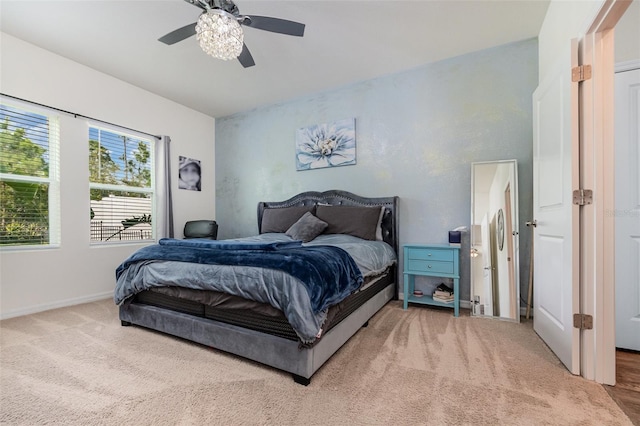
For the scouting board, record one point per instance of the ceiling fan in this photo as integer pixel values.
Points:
(219, 33)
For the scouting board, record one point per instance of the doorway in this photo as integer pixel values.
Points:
(627, 206)
(626, 391)
(598, 256)
(585, 275)
(627, 178)
(627, 239)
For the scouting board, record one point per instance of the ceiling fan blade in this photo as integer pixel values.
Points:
(179, 34)
(275, 25)
(245, 57)
(197, 3)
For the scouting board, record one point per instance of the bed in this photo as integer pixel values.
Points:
(156, 291)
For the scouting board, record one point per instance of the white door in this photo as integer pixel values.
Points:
(555, 174)
(627, 213)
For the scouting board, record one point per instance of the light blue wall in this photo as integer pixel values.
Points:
(417, 133)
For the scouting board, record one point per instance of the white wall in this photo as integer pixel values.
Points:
(417, 133)
(568, 19)
(564, 21)
(34, 280)
(627, 44)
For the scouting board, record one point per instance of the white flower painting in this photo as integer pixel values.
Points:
(326, 145)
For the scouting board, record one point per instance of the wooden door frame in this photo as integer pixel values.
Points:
(597, 224)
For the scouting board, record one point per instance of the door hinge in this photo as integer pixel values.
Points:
(583, 321)
(582, 197)
(581, 73)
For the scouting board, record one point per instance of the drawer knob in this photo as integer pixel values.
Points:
(429, 266)
(429, 254)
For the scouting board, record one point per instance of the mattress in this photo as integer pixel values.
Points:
(254, 315)
(330, 261)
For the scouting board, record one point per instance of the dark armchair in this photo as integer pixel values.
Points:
(201, 229)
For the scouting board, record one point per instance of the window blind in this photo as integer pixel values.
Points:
(28, 177)
(121, 186)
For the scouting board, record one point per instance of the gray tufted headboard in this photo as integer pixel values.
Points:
(389, 223)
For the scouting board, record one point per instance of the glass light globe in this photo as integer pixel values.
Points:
(219, 34)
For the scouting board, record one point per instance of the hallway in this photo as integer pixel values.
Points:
(626, 392)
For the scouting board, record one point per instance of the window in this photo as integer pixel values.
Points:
(29, 185)
(121, 186)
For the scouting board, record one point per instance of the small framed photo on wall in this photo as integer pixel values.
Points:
(189, 174)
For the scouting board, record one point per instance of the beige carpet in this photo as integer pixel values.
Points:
(79, 366)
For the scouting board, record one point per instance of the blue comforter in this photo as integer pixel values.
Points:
(328, 273)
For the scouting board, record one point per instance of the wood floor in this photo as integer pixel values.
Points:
(626, 392)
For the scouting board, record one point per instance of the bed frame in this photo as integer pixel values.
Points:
(267, 349)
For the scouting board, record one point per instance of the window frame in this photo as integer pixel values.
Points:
(124, 188)
(52, 180)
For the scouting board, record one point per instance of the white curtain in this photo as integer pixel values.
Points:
(164, 203)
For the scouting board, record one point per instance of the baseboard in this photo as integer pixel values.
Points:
(464, 304)
(55, 305)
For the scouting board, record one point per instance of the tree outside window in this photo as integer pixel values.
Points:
(121, 193)
(25, 181)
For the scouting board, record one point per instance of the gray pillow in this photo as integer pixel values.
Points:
(281, 219)
(306, 228)
(361, 222)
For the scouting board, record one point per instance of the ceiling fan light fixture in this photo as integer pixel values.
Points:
(220, 34)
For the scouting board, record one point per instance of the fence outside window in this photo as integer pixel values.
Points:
(121, 186)
(103, 232)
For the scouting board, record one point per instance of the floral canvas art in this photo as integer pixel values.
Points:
(326, 145)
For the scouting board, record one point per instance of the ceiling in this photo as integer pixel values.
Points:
(344, 42)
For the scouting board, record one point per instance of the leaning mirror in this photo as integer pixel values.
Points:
(495, 280)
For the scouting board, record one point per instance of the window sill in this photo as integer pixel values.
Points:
(27, 248)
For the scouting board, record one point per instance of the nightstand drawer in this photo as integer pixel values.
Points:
(430, 254)
(430, 266)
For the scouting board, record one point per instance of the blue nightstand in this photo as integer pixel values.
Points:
(431, 261)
